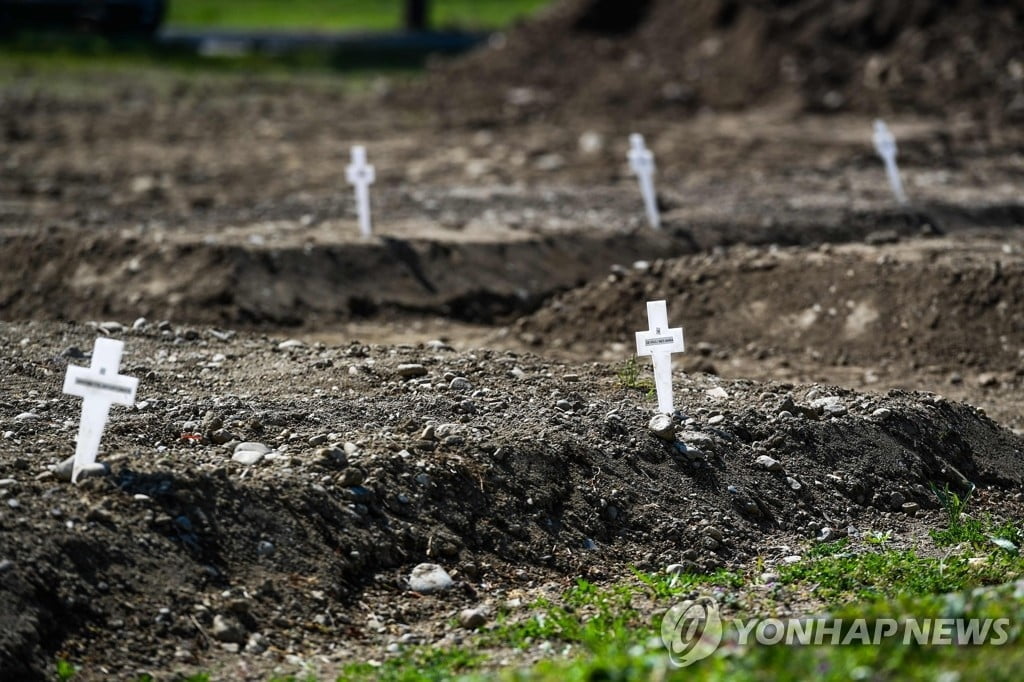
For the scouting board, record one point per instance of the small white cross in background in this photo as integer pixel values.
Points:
(660, 342)
(885, 145)
(641, 162)
(100, 386)
(362, 175)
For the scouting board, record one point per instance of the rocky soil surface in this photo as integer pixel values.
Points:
(283, 499)
(267, 501)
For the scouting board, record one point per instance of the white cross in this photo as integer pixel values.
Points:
(362, 175)
(885, 145)
(100, 386)
(660, 342)
(641, 162)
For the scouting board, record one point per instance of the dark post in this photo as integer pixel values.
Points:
(416, 12)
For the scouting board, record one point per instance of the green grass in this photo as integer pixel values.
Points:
(629, 376)
(344, 14)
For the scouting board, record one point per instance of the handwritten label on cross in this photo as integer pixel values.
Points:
(885, 145)
(100, 386)
(361, 175)
(660, 342)
(641, 162)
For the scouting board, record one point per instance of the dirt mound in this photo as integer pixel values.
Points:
(520, 472)
(660, 57)
(918, 304)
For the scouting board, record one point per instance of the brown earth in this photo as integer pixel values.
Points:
(669, 57)
(509, 224)
(532, 472)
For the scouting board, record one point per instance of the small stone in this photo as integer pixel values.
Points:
(988, 380)
(460, 384)
(427, 578)
(411, 370)
(265, 548)
(257, 644)
(250, 453)
(316, 441)
(896, 499)
(222, 436)
(428, 433)
(111, 327)
(769, 463)
(881, 413)
(72, 352)
(253, 447)
(793, 483)
(830, 405)
(911, 508)
(334, 457)
(473, 619)
(564, 405)
(718, 393)
(661, 425)
(769, 578)
(716, 420)
(227, 629)
(290, 343)
(352, 476)
(140, 323)
(27, 417)
(64, 470)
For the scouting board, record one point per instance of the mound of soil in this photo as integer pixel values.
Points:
(509, 471)
(919, 303)
(660, 57)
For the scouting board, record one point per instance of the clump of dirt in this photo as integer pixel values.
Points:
(660, 57)
(508, 470)
(918, 304)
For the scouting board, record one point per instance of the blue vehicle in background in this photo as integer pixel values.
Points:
(111, 17)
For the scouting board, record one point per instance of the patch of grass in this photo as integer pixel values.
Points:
(961, 528)
(629, 378)
(419, 663)
(65, 670)
(881, 575)
(350, 15)
(829, 548)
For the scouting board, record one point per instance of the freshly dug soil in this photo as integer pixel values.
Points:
(956, 304)
(508, 470)
(664, 57)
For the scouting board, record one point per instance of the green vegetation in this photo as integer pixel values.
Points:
(629, 378)
(613, 633)
(594, 632)
(350, 15)
(962, 528)
(65, 670)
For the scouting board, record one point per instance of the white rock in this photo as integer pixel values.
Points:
(661, 426)
(718, 393)
(250, 453)
(290, 343)
(769, 463)
(427, 578)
